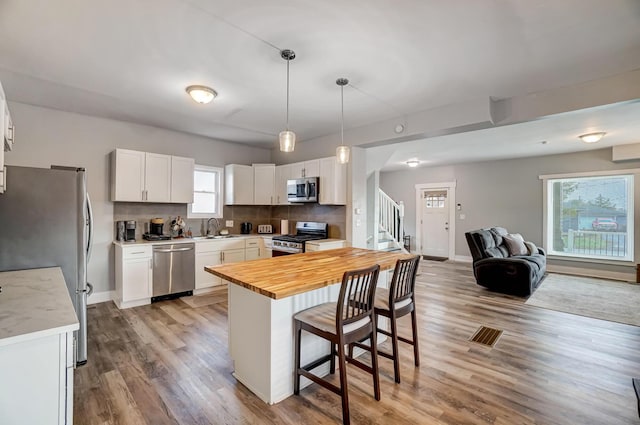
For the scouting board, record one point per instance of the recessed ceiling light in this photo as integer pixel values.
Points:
(592, 137)
(413, 163)
(201, 94)
(399, 128)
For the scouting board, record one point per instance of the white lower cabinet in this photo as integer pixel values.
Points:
(255, 249)
(134, 265)
(37, 381)
(134, 275)
(214, 252)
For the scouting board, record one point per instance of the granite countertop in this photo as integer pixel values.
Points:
(288, 275)
(195, 239)
(33, 304)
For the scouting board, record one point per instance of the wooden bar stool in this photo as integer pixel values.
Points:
(342, 323)
(398, 301)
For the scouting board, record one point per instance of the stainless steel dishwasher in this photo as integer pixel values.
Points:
(173, 270)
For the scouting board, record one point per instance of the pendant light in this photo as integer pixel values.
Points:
(287, 137)
(342, 151)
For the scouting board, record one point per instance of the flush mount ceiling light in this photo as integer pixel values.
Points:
(287, 137)
(342, 151)
(413, 163)
(201, 94)
(592, 137)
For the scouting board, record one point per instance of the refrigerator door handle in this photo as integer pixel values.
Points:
(90, 223)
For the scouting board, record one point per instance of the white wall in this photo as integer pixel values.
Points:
(46, 136)
(505, 193)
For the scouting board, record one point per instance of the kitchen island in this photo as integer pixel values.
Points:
(263, 297)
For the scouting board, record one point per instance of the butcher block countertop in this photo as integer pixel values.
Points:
(289, 275)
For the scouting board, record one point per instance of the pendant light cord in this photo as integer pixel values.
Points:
(342, 113)
(288, 94)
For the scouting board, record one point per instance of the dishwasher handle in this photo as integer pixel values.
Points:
(173, 250)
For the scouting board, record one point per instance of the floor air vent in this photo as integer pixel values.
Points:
(486, 336)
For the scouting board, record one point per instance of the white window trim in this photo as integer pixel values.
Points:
(220, 172)
(546, 213)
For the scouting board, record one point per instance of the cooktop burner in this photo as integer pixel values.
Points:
(298, 238)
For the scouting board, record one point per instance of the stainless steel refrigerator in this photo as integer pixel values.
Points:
(45, 221)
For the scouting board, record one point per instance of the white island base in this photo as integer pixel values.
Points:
(261, 339)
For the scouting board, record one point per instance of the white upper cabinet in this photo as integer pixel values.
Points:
(127, 175)
(333, 182)
(5, 119)
(283, 173)
(150, 177)
(182, 179)
(305, 169)
(157, 178)
(264, 184)
(238, 184)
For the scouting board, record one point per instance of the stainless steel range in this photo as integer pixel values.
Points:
(294, 244)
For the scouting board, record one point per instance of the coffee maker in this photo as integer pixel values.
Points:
(156, 227)
(129, 230)
(245, 228)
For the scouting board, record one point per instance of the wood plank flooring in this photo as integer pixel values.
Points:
(168, 364)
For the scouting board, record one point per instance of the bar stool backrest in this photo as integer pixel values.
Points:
(403, 281)
(357, 295)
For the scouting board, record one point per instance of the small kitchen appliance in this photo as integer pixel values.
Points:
(265, 228)
(156, 227)
(130, 230)
(120, 231)
(295, 244)
(245, 228)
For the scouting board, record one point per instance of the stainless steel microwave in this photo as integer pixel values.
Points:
(303, 190)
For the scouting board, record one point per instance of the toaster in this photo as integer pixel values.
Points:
(265, 228)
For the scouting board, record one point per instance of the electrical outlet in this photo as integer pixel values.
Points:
(229, 223)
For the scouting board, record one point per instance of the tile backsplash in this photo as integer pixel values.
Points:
(143, 212)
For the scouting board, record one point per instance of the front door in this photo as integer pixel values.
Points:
(435, 222)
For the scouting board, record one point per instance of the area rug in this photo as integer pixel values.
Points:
(597, 298)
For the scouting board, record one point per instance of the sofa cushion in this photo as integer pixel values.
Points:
(515, 244)
(498, 233)
(531, 248)
(539, 260)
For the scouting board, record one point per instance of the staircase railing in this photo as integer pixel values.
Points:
(391, 216)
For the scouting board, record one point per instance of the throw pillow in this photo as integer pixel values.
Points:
(515, 244)
(531, 248)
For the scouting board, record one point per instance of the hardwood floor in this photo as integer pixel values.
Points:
(168, 364)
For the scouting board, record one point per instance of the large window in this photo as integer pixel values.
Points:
(590, 217)
(207, 192)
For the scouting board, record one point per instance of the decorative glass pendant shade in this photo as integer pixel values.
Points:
(342, 151)
(287, 141)
(342, 154)
(287, 137)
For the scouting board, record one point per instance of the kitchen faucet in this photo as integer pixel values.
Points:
(217, 226)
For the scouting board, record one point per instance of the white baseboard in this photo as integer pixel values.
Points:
(100, 297)
(602, 274)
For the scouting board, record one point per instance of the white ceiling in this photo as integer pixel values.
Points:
(131, 60)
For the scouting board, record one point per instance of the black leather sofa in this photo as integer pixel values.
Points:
(498, 271)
